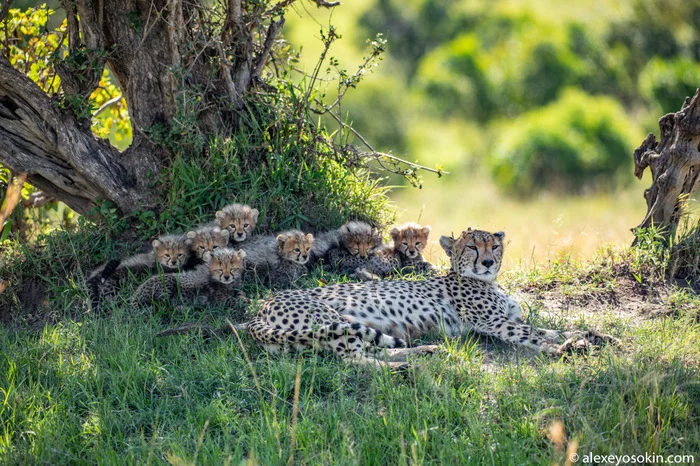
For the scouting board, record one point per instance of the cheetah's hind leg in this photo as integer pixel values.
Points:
(402, 354)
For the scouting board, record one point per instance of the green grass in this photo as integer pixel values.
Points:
(104, 389)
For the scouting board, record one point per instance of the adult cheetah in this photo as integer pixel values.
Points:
(464, 299)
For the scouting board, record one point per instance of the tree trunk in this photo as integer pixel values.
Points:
(161, 52)
(674, 162)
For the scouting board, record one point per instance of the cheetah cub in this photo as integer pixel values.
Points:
(217, 281)
(410, 240)
(357, 241)
(278, 260)
(239, 219)
(405, 252)
(206, 239)
(169, 253)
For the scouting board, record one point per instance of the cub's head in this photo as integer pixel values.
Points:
(172, 251)
(240, 221)
(475, 254)
(204, 240)
(410, 239)
(359, 239)
(226, 265)
(295, 246)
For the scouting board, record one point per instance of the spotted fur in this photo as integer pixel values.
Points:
(169, 253)
(311, 323)
(240, 220)
(279, 260)
(357, 241)
(215, 282)
(206, 239)
(464, 299)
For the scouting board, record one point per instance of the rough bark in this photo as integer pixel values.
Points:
(674, 162)
(162, 53)
(58, 154)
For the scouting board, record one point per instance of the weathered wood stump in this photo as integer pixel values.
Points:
(674, 162)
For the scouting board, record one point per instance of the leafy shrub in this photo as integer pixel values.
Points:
(480, 74)
(667, 83)
(570, 144)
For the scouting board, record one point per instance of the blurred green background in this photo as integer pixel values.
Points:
(534, 107)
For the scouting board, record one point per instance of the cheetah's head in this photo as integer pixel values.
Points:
(205, 240)
(475, 254)
(359, 238)
(172, 251)
(295, 246)
(240, 220)
(410, 239)
(226, 265)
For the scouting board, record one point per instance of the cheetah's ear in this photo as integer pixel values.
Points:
(220, 214)
(500, 235)
(191, 234)
(394, 234)
(466, 234)
(156, 244)
(225, 234)
(426, 230)
(309, 237)
(281, 239)
(216, 229)
(447, 243)
(241, 253)
(255, 214)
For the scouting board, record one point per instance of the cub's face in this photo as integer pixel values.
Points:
(240, 223)
(475, 254)
(410, 240)
(360, 241)
(226, 265)
(295, 247)
(171, 251)
(206, 240)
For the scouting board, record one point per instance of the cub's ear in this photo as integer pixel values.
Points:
(281, 239)
(216, 229)
(375, 232)
(156, 244)
(241, 253)
(500, 235)
(447, 244)
(191, 234)
(225, 234)
(220, 214)
(309, 237)
(426, 230)
(394, 234)
(255, 214)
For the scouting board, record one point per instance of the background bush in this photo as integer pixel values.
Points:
(578, 141)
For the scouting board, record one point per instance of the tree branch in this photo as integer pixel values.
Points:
(378, 155)
(59, 155)
(272, 32)
(5, 9)
(108, 103)
(13, 196)
(324, 4)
